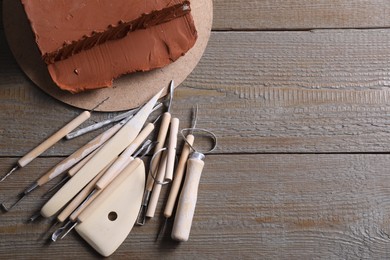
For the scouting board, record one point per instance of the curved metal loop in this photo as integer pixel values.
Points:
(201, 130)
(157, 168)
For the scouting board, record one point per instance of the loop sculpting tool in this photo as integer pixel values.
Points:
(178, 177)
(166, 168)
(162, 135)
(188, 197)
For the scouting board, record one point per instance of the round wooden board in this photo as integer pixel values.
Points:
(129, 91)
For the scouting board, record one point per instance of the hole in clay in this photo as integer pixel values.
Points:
(112, 216)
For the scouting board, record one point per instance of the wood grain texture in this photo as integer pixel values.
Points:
(302, 118)
(322, 91)
(264, 206)
(296, 14)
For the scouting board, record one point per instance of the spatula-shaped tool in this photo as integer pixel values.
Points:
(103, 157)
(108, 220)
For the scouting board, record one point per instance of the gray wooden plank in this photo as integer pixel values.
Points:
(249, 206)
(321, 91)
(295, 14)
(302, 15)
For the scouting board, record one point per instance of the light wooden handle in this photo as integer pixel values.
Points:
(78, 166)
(162, 135)
(111, 149)
(91, 207)
(187, 201)
(179, 173)
(174, 130)
(131, 167)
(75, 212)
(79, 155)
(53, 139)
(157, 187)
(65, 213)
(125, 158)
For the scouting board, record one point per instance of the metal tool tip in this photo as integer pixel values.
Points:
(162, 229)
(9, 173)
(35, 216)
(141, 216)
(4, 208)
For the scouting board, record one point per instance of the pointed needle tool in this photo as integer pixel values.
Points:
(85, 151)
(53, 139)
(48, 143)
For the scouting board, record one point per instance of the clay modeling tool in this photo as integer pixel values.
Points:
(67, 211)
(48, 142)
(53, 139)
(69, 162)
(167, 165)
(111, 149)
(188, 197)
(87, 195)
(71, 173)
(104, 181)
(178, 177)
(107, 222)
(171, 149)
(162, 134)
(99, 125)
(159, 181)
(103, 123)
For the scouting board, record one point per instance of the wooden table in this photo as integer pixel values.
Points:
(297, 93)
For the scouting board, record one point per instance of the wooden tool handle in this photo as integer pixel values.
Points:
(174, 129)
(78, 166)
(187, 202)
(162, 135)
(53, 139)
(157, 187)
(111, 149)
(79, 155)
(179, 173)
(65, 213)
(125, 158)
(109, 189)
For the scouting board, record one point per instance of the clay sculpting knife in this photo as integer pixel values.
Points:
(109, 151)
(98, 125)
(76, 168)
